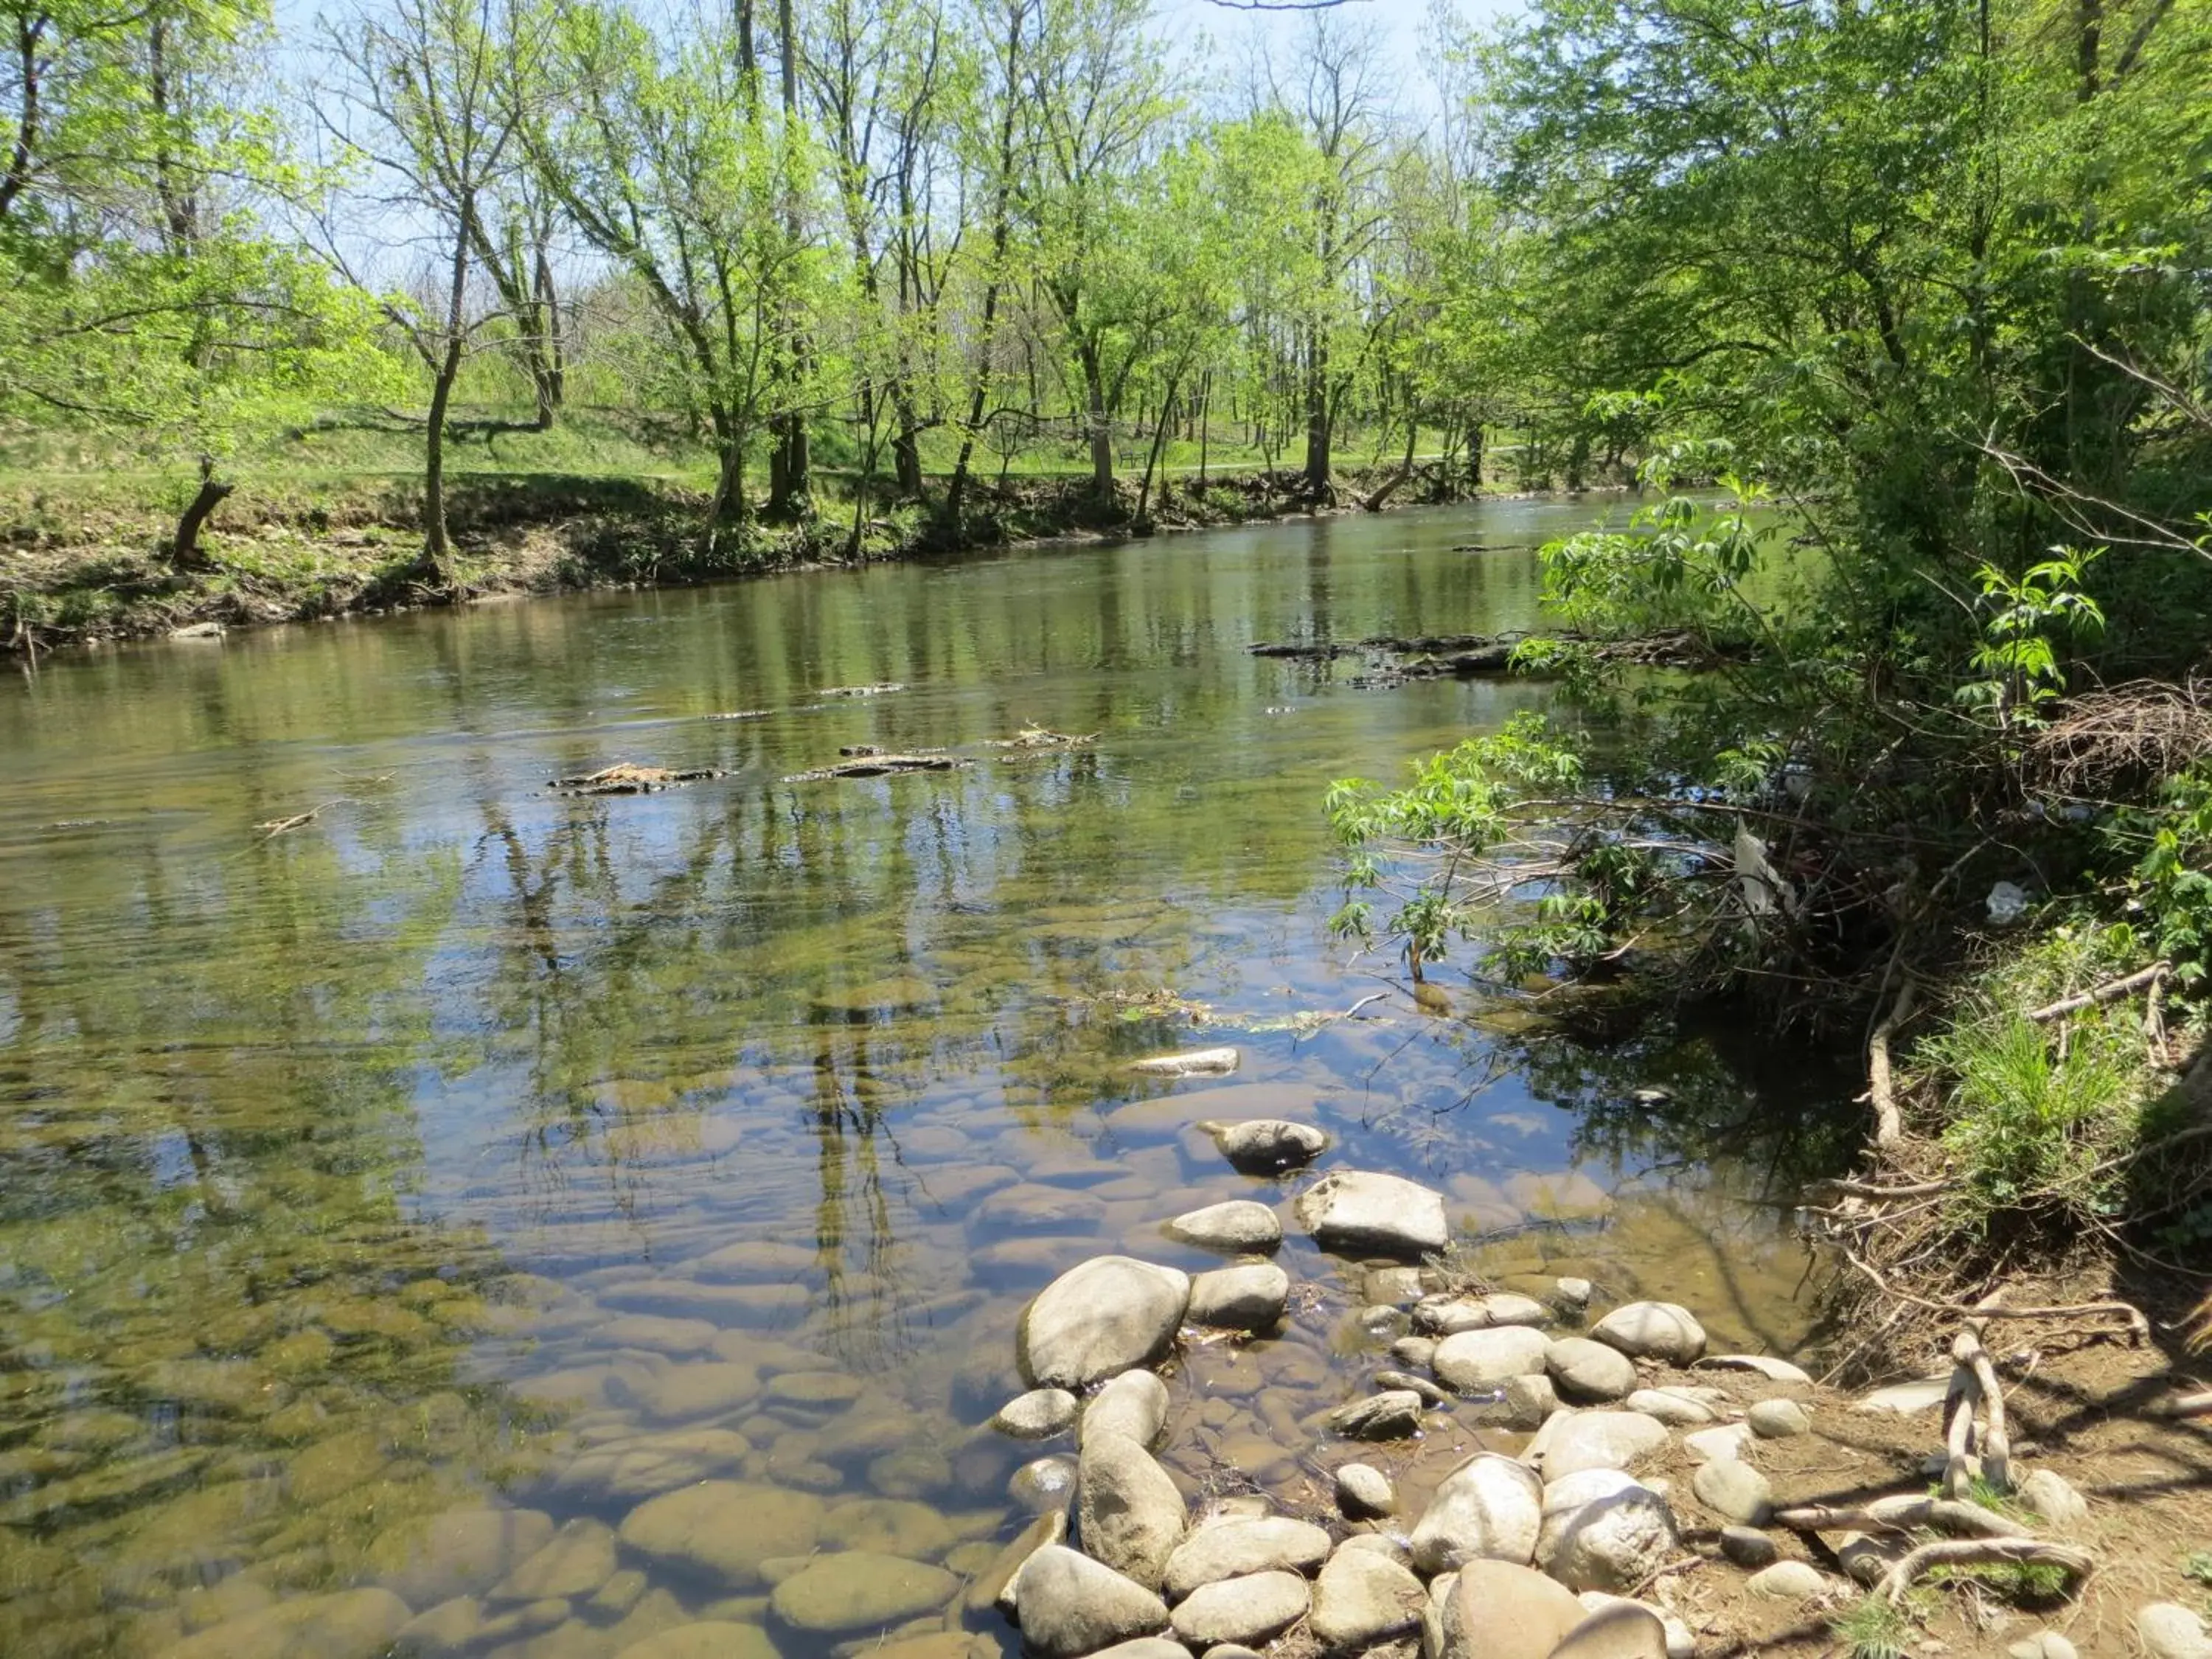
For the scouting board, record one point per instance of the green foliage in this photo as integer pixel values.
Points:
(2027, 618)
(1464, 836)
(2171, 887)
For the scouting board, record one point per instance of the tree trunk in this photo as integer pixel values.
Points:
(1474, 455)
(184, 549)
(1152, 459)
(436, 548)
(790, 468)
(987, 331)
(1205, 422)
(29, 32)
(1101, 429)
(1318, 424)
(1390, 485)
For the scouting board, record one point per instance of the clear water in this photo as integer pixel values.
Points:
(374, 1197)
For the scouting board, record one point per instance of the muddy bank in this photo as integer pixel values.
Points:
(101, 576)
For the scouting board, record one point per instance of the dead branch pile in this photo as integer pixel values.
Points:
(1037, 737)
(625, 778)
(881, 766)
(2124, 734)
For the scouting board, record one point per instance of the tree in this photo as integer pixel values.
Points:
(427, 111)
(657, 152)
(1099, 101)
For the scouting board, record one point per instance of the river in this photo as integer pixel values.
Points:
(474, 1160)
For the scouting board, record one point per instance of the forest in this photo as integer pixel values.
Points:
(829, 269)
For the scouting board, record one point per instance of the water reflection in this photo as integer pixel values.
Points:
(397, 1212)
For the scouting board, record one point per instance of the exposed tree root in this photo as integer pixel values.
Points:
(1901, 1514)
(1981, 1552)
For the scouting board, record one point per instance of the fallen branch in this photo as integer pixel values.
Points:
(2112, 991)
(1843, 1189)
(1982, 1553)
(276, 827)
(1904, 1513)
(2187, 1405)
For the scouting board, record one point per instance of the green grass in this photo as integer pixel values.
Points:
(1874, 1627)
(2032, 1112)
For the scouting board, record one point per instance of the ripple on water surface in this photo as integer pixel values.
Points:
(568, 1228)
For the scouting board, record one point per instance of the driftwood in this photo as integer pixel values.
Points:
(625, 778)
(1889, 1120)
(739, 714)
(883, 690)
(1981, 1552)
(2111, 992)
(2186, 1405)
(1903, 1513)
(879, 766)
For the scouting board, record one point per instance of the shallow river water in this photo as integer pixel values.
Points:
(391, 1206)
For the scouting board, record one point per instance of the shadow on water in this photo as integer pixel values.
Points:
(393, 1207)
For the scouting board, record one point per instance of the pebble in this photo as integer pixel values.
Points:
(1574, 1292)
(1361, 1210)
(2044, 1645)
(1045, 1485)
(1906, 1398)
(1363, 1598)
(2046, 1493)
(1530, 1401)
(1735, 1490)
(1038, 1415)
(1671, 1407)
(1488, 1509)
(1248, 1611)
(1788, 1581)
(1268, 1145)
(1236, 1549)
(1600, 1440)
(1583, 1370)
(1419, 1351)
(1777, 1420)
(1240, 1224)
(1391, 1416)
(1246, 1298)
(1749, 1547)
(1419, 1385)
(2169, 1631)
(1070, 1605)
(1653, 1330)
(1713, 1445)
(1604, 1530)
(1362, 1491)
(1774, 1370)
(1133, 1405)
(1474, 1360)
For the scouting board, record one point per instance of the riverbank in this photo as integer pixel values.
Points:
(79, 570)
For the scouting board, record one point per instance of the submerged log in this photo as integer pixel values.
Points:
(882, 690)
(881, 766)
(624, 778)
